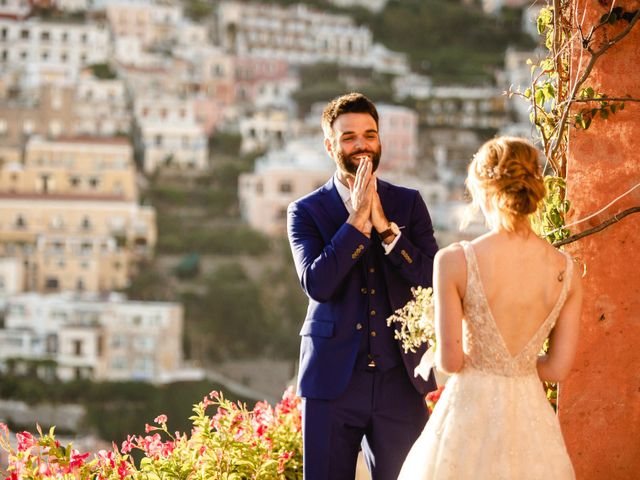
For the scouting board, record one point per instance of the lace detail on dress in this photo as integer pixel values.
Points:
(483, 345)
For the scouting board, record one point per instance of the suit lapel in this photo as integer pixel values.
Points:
(386, 198)
(333, 205)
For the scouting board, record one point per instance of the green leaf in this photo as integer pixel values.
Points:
(604, 114)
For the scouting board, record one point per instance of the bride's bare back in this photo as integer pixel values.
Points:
(522, 281)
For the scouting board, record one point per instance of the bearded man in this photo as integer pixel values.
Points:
(359, 245)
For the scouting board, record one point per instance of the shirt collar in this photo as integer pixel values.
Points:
(343, 190)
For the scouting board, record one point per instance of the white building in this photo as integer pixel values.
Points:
(412, 85)
(11, 278)
(100, 338)
(150, 21)
(372, 5)
(265, 129)
(73, 5)
(15, 8)
(280, 177)
(39, 44)
(169, 134)
(464, 107)
(101, 107)
(301, 35)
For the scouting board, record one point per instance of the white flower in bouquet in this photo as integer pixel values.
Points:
(414, 323)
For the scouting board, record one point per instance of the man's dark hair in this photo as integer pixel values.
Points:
(350, 103)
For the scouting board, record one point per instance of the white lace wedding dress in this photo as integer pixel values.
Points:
(493, 420)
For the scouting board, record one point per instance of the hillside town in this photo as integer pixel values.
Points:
(99, 96)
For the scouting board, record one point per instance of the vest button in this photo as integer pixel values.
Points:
(373, 312)
(372, 270)
(373, 333)
(359, 326)
(373, 291)
(363, 290)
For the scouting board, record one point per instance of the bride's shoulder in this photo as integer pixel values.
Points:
(451, 255)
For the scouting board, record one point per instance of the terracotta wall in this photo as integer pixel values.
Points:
(600, 402)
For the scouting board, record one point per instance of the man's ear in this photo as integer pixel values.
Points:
(328, 147)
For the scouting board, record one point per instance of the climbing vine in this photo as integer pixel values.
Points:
(560, 101)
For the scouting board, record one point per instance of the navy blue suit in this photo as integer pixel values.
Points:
(353, 374)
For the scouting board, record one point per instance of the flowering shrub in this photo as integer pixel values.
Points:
(415, 320)
(433, 397)
(235, 443)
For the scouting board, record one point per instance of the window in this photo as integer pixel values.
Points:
(45, 36)
(52, 283)
(74, 181)
(158, 140)
(28, 127)
(286, 187)
(55, 128)
(94, 182)
(77, 347)
(21, 222)
(56, 222)
(24, 33)
(85, 224)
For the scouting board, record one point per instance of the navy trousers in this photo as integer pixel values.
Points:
(380, 412)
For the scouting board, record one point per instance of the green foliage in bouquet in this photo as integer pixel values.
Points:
(414, 322)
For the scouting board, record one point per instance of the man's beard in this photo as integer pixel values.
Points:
(347, 163)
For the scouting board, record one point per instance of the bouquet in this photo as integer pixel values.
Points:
(415, 322)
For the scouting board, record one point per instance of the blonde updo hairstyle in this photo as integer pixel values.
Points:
(505, 177)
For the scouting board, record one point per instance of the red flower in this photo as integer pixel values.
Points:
(77, 459)
(25, 441)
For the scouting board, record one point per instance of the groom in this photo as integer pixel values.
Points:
(359, 245)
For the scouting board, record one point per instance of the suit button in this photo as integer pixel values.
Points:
(372, 270)
(363, 290)
(359, 326)
(373, 291)
(373, 312)
(373, 333)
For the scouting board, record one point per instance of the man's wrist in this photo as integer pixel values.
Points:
(360, 223)
(389, 234)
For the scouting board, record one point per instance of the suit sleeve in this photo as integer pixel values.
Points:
(412, 257)
(322, 267)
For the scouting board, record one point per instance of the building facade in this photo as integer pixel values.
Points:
(280, 177)
(70, 213)
(94, 337)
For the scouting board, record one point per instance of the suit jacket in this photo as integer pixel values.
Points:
(325, 250)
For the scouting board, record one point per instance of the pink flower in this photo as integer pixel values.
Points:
(77, 459)
(160, 419)
(25, 441)
(149, 428)
(123, 470)
(128, 444)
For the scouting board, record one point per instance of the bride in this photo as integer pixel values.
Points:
(497, 299)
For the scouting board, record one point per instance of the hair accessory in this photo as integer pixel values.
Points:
(495, 173)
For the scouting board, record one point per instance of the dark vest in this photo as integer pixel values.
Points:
(378, 349)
